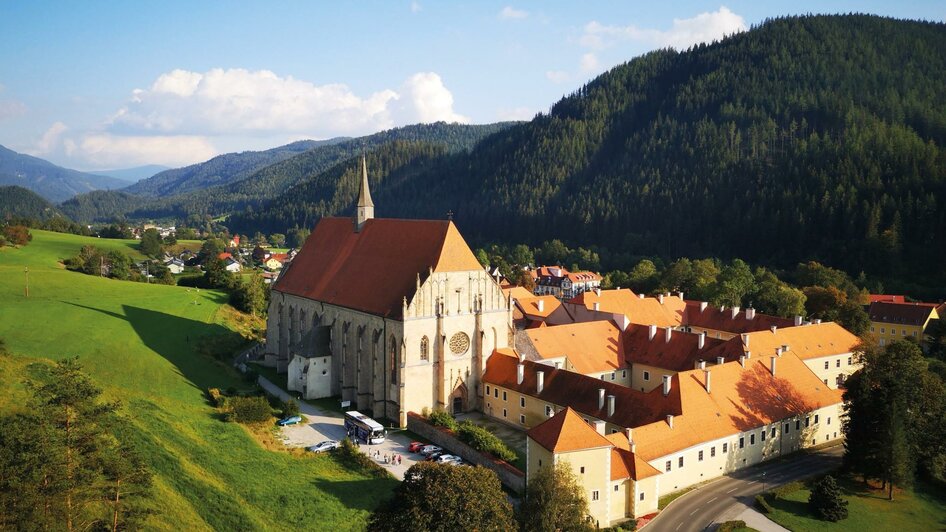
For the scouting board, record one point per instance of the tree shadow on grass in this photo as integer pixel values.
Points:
(179, 340)
(365, 494)
(790, 507)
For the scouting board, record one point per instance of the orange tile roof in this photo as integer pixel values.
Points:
(625, 464)
(517, 292)
(567, 431)
(741, 399)
(679, 354)
(901, 313)
(530, 306)
(375, 269)
(591, 347)
(718, 319)
(643, 311)
(583, 276)
(806, 342)
(889, 298)
(567, 388)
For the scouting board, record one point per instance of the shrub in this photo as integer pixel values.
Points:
(729, 526)
(290, 408)
(825, 500)
(216, 397)
(352, 458)
(248, 409)
(762, 504)
(442, 418)
(484, 441)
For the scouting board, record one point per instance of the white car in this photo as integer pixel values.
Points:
(327, 445)
(447, 458)
(430, 449)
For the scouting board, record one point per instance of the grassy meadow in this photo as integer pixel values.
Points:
(152, 347)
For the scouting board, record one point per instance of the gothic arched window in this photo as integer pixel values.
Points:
(394, 363)
(424, 348)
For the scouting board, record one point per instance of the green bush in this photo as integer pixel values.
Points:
(352, 458)
(290, 408)
(442, 418)
(484, 441)
(729, 526)
(216, 397)
(248, 409)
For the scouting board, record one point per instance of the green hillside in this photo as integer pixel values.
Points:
(22, 202)
(147, 346)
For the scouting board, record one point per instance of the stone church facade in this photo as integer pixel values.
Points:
(392, 315)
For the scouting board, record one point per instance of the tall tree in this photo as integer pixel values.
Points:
(151, 243)
(554, 500)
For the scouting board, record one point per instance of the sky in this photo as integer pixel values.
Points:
(96, 85)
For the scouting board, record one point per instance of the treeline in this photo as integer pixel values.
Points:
(116, 264)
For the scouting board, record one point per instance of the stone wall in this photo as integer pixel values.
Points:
(511, 477)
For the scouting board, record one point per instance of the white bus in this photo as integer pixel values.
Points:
(358, 425)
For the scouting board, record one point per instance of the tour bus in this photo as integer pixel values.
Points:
(363, 427)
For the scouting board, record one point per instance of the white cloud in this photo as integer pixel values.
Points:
(511, 13)
(50, 139)
(11, 108)
(557, 76)
(427, 99)
(104, 150)
(589, 63)
(516, 113)
(705, 27)
(416, 7)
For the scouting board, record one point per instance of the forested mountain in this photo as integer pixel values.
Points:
(89, 207)
(220, 170)
(24, 203)
(52, 182)
(806, 138)
(135, 174)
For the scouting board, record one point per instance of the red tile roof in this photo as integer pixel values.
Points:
(530, 306)
(719, 319)
(624, 463)
(224, 255)
(889, 298)
(375, 269)
(592, 347)
(806, 342)
(901, 313)
(644, 311)
(679, 354)
(567, 431)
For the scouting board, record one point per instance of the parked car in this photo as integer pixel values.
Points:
(428, 449)
(434, 456)
(416, 446)
(326, 445)
(444, 458)
(458, 462)
(291, 420)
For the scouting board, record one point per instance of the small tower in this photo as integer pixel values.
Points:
(365, 209)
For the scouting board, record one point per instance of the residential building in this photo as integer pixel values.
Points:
(595, 349)
(563, 284)
(891, 321)
(232, 265)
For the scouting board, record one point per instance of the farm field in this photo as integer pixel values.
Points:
(157, 349)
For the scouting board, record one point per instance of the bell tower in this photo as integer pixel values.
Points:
(365, 210)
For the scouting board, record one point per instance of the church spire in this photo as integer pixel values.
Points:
(365, 210)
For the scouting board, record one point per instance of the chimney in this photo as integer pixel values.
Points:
(720, 360)
(784, 348)
(772, 365)
(816, 321)
(625, 323)
(742, 360)
(750, 313)
(706, 376)
(703, 305)
(539, 381)
(520, 373)
(735, 312)
(680, 295)
(668, 334)
(774, 329)
(748, 355)
(745, 339)
(651, 332)
(610, 405)
(630, 434)
(797, 321)
(660, 298)
(701, 364)
(640, 296)
(597, 291)
(778, 351)
(541, 305)
(701, 340)
(600, 398)
(633, 447)
(667, 385)
(670, 420)
(597, 306)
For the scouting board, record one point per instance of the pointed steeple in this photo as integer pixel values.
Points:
(365, 210)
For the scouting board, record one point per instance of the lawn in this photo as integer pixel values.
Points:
(923, 508)
(152, 347)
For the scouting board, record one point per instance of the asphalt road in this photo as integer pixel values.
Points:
(699, 509)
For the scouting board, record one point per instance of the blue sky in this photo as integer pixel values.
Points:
(95, 85)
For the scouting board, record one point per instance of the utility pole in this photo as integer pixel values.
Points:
(27, 272)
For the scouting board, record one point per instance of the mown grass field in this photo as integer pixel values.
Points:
(923, 508)
(148, 345)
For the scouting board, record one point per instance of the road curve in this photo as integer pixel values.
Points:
(699, 509)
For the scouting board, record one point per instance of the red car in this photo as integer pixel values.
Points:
(415, 446)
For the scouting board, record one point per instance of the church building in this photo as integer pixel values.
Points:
(392, 315)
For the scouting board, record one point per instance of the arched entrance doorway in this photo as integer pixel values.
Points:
(458, 398)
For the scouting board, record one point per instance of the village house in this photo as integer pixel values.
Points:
(897, 320)
(559, 282)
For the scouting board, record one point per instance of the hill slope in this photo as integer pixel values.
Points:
(135, 174)
(817, 137)
(21, 202)
(220, 170)
(52, 182)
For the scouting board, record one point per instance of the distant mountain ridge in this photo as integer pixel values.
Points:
(22, 202)
(135, 174)
(50, 181)
(221, 170)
